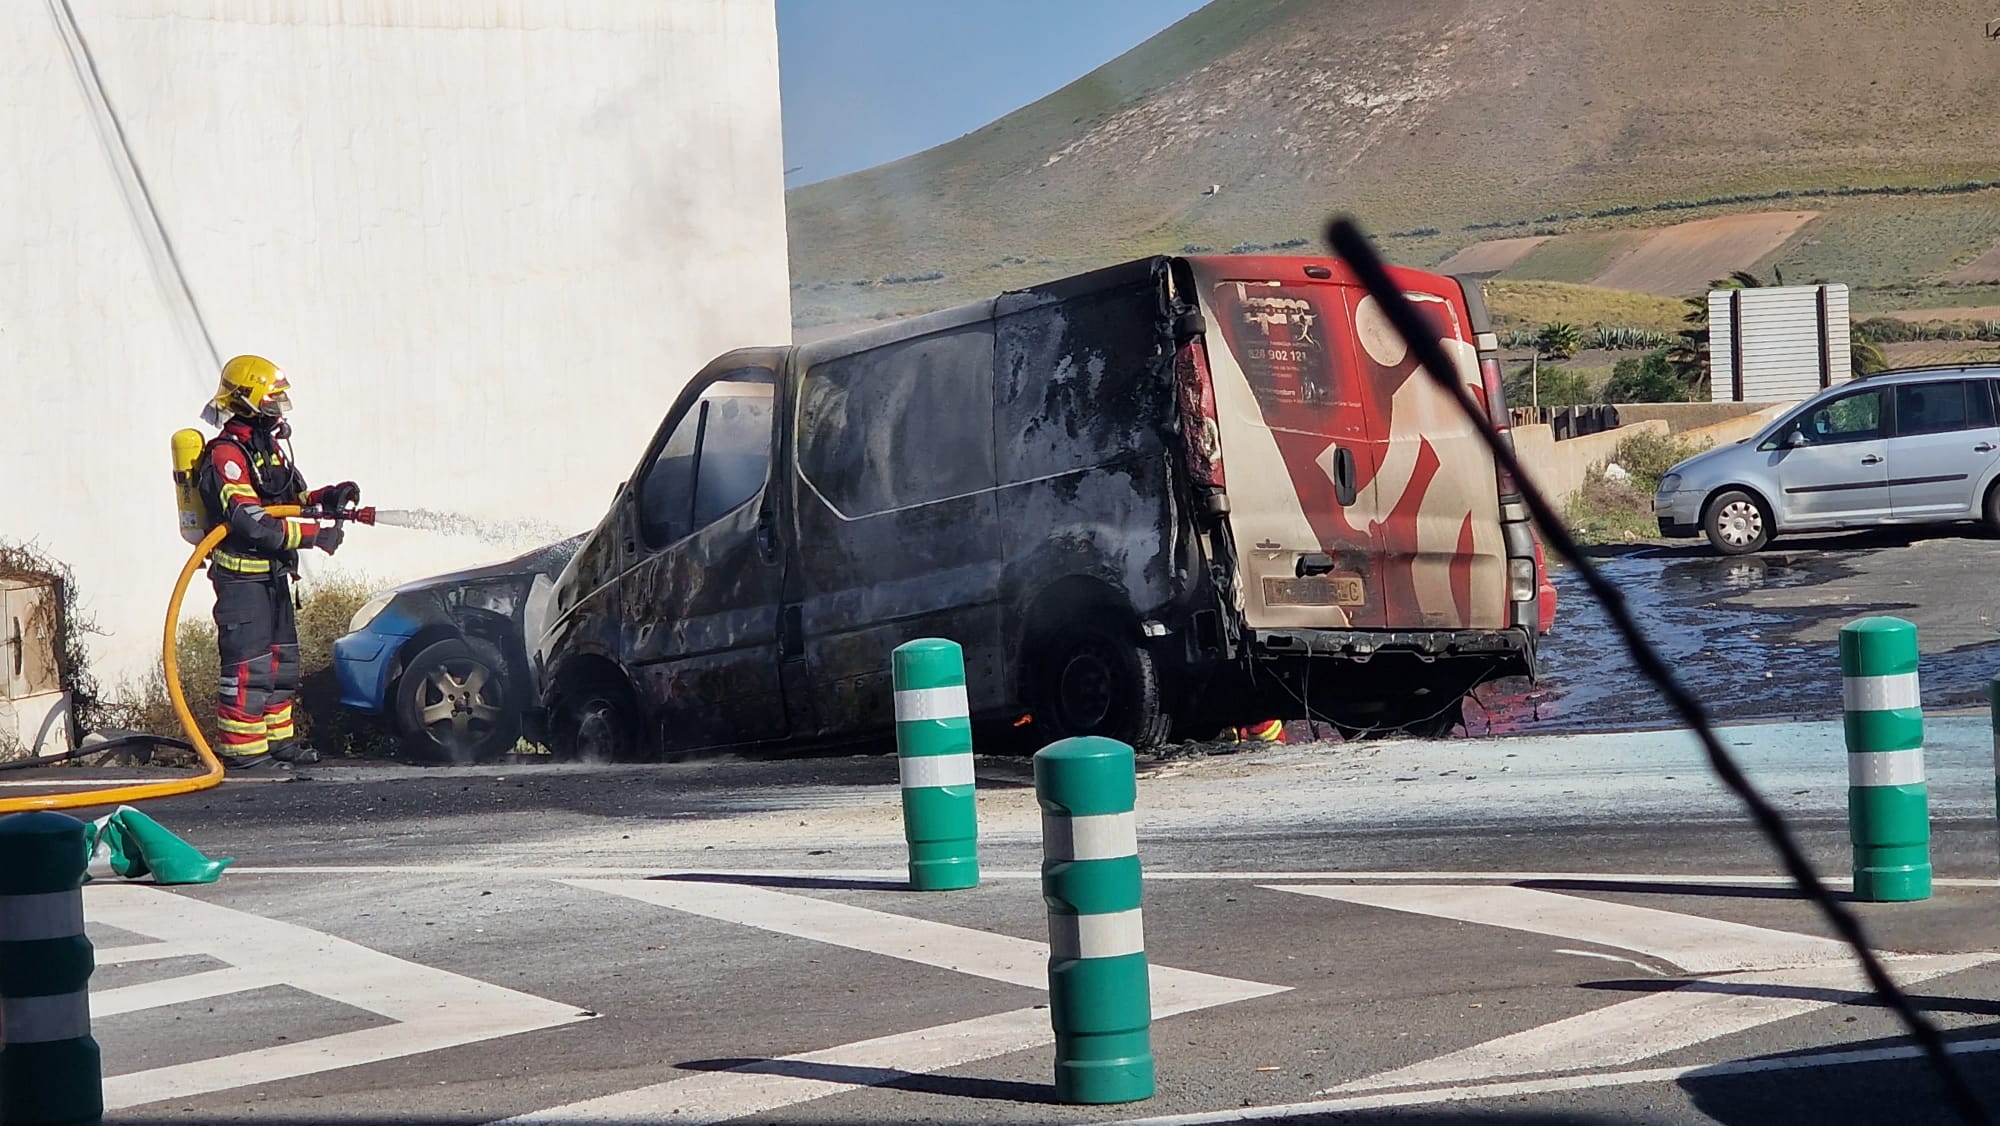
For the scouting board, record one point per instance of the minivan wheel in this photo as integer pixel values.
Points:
(452, 703)
(1736, 524)
(1992, 509)
(595, 725)
(1093, 679)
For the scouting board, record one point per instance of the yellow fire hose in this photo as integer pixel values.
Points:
(207, 779)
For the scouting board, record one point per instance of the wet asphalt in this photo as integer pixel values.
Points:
(1757, 637)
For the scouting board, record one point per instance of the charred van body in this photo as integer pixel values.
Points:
(1148, 501)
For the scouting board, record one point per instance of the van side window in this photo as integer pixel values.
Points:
(905, 424)
(1939, 408)
(717, 458)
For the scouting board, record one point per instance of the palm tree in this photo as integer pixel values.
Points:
(1688, 354)
(1865, 355)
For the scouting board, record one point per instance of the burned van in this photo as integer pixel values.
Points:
(1149, 502)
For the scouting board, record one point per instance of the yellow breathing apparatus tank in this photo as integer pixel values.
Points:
(187, 455)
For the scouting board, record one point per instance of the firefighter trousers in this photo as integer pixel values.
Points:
(257, 639)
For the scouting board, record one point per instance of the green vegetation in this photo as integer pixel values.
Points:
(1608, 509)
(326, 606)
(1526, 304)
(1645, 379)
(1559, 341)
(1572, 258)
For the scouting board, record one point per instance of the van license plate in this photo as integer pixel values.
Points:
(1316, 590)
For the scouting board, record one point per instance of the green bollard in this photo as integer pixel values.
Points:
(1993, 699)
(934, 759)
(1100, 1000)
(50, 1073)
(1888, 803)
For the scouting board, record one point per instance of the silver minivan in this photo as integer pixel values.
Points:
(1915, 446)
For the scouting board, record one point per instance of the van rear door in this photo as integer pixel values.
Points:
(1298, 447)
(1339, 451)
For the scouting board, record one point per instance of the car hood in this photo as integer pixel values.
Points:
(545, 561)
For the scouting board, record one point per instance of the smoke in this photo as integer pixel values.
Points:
(502, 533)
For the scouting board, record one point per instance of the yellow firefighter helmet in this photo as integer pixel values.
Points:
(250, 386)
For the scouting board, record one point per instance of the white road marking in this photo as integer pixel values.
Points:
(146, 952)
(432, 1009)
(1612, 958)
(723, 1095)
(996, 957)
(177, 990)
(1693, 943)
(763, 1087)
(899, 875)
(1514, 1089)
(1659, 1023)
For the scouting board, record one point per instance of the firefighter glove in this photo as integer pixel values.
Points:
(339, 498)
(328, 538)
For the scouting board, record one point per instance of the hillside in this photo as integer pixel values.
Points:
(1448, 122)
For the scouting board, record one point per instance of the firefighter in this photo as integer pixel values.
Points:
(242, 470)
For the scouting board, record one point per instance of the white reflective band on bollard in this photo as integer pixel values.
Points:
(922, 771)
(1102, 836)
(1096, 936)
(932, 703)
(39, 1020)
(1885, 768)
(32, 918)
(1880, 693)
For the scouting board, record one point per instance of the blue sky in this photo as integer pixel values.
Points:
(869, 81)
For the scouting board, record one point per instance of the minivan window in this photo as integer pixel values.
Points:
(1849, 418)
(1941, 408)
(904, 424)
(716, 459)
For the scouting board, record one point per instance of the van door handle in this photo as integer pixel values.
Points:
(1344, 489)
(1872, 459)
(767, 536)
(1983, 448)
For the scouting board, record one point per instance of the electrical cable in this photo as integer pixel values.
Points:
(1352, 246)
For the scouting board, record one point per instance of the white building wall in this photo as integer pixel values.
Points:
(487, 241)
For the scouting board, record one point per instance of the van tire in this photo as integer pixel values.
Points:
(1737, 523)
(1991, 509)
(1094, 678)
(594, 722)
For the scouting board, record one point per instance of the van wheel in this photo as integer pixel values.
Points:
(594, 724)
(1992, 508)
(1736, 523)
(1093, 679)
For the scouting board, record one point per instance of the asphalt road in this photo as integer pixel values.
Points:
(1540, 929)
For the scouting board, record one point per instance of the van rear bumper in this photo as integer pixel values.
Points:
(1427, 645)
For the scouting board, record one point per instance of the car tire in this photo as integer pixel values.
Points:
(1737, 523)
(1991, 509)
(1095, 679)
(594, 723)
(453, 703)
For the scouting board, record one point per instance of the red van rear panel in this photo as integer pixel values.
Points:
(1361, 497)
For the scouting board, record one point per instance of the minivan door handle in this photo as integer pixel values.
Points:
(1872, 459)
(1983, 448)
(1344, 488)
(767, 536)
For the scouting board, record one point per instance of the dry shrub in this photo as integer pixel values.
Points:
(325, 607)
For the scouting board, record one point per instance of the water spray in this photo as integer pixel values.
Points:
(498, 532)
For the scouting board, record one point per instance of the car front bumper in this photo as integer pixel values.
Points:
(361, 665)
(1678, 514)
